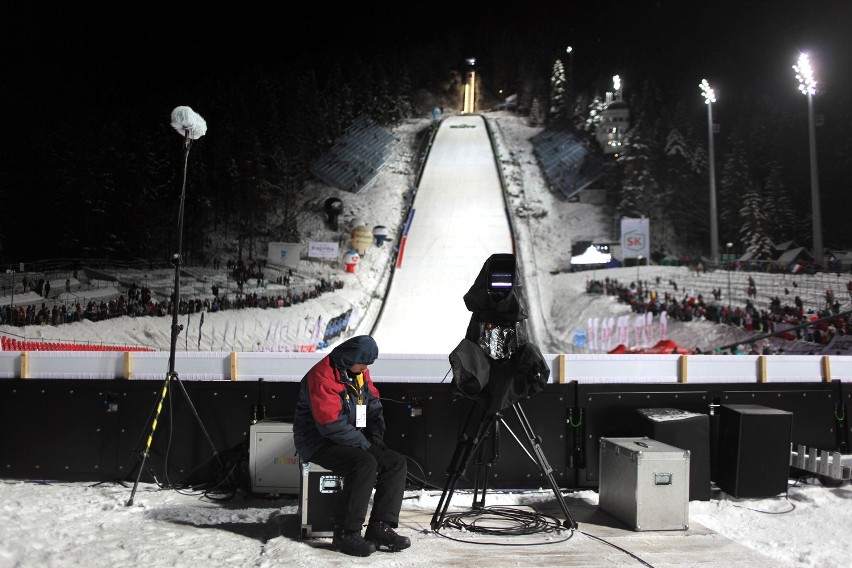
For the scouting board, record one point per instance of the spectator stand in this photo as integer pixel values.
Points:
(687, 281)
(356, 158)
(568, 163)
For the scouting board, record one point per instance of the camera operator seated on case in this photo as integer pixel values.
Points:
(339, 424)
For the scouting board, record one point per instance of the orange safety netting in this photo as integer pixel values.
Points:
(12, 344)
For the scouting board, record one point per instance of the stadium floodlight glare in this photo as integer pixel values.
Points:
(709, 99)
(805, 75)
(808, 86)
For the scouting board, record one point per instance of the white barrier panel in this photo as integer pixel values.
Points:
(412, 369)
(64, 364)
(276, 366)
(623, 368)
(841, 367)
(724, 369)
(189, 366)
(794, 368)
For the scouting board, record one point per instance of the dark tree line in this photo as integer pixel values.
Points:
(105, 182)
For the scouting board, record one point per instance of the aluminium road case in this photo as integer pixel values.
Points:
(644, 483)
(319, 491)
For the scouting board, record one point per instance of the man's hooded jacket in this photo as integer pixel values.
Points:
(328, 396)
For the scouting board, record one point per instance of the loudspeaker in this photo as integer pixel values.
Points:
(687, 431)
(753, 450)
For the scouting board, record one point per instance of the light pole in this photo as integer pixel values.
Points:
(570, 99)
(709, 99)
(807, 85)
(11, 274)
(638, 264)
(570, 51)
(568, 103)
(728, 247)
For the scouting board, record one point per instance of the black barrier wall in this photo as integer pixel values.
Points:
(95, 430)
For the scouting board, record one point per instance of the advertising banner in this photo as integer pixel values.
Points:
(319, 249)
(284, 254)
(635, 238)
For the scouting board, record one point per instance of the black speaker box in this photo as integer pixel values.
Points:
(753, 450)
(687, 431)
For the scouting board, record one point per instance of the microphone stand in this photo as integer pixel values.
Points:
(172, 375)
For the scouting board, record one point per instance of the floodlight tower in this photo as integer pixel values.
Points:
(807, 86)
(569, 97)
(709, 99)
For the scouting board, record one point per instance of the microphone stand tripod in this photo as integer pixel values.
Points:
(172, 375)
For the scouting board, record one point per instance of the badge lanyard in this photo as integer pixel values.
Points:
(360, 407)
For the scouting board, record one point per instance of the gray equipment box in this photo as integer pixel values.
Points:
(273, 463)
(644, 483)
(319, 491)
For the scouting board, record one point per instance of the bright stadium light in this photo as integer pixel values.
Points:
(709, 99)
(807, 86)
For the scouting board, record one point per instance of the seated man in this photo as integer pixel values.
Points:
(339, 424)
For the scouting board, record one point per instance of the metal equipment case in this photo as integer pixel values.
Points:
(644, 483)
(318, 493)
(273, 463)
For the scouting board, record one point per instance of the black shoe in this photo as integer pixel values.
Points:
(352, 543)
(381, 533)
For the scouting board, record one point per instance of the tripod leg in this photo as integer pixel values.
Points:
(150, 437)
(462, 454)
(480, 484)
(198, 419)
(543, 464)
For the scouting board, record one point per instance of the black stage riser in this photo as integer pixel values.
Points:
(94, 430)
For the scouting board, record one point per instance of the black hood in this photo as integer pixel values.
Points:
(503, 305)
(361, 349)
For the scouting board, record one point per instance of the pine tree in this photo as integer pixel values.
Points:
(640, 189)
(536, 117)
(595, 110)
(755, 225)
(683, 184)
(735, 182)
(558, 91)
(782, 221)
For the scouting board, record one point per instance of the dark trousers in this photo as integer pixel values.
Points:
(361, 472)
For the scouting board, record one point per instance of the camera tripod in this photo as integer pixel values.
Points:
(489, 427)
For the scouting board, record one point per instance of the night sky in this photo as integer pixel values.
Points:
(63, 58)
(77, 51)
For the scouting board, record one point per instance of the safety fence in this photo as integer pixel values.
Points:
(13, 344)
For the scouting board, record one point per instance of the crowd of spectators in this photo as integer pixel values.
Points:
(788, 321)
(139, 302)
